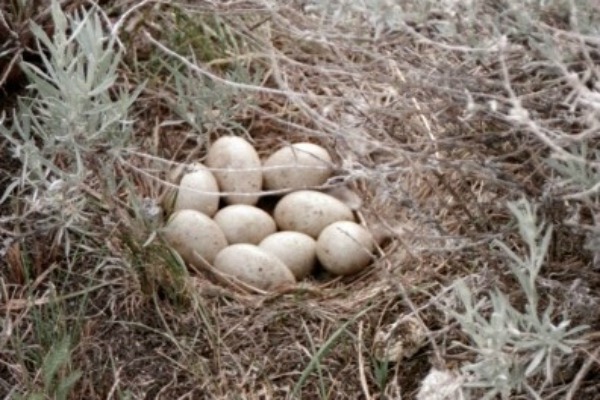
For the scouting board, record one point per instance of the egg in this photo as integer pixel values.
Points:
(297, 251)
(309, 212)
(189, 231)
(253, 266)
(198, 190)
(297, 166)
(345, 248)
(237, 168)
(242, 223)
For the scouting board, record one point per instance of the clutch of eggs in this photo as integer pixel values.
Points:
(307, 228)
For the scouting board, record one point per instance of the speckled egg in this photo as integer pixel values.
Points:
(310, 212)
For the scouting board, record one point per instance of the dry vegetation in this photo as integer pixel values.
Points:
(440, 115)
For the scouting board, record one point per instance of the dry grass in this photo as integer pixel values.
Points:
(419, 121)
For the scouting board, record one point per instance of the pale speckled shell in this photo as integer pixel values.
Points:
(243, 172)
(190, 230)
(345, 248)
(253, 266)
(297, 251)
(310, 212)
(297, 166)
(198, 190)
(242, 223)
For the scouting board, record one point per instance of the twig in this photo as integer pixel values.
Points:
(361, 364)
(216, 78)
(582, 373)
